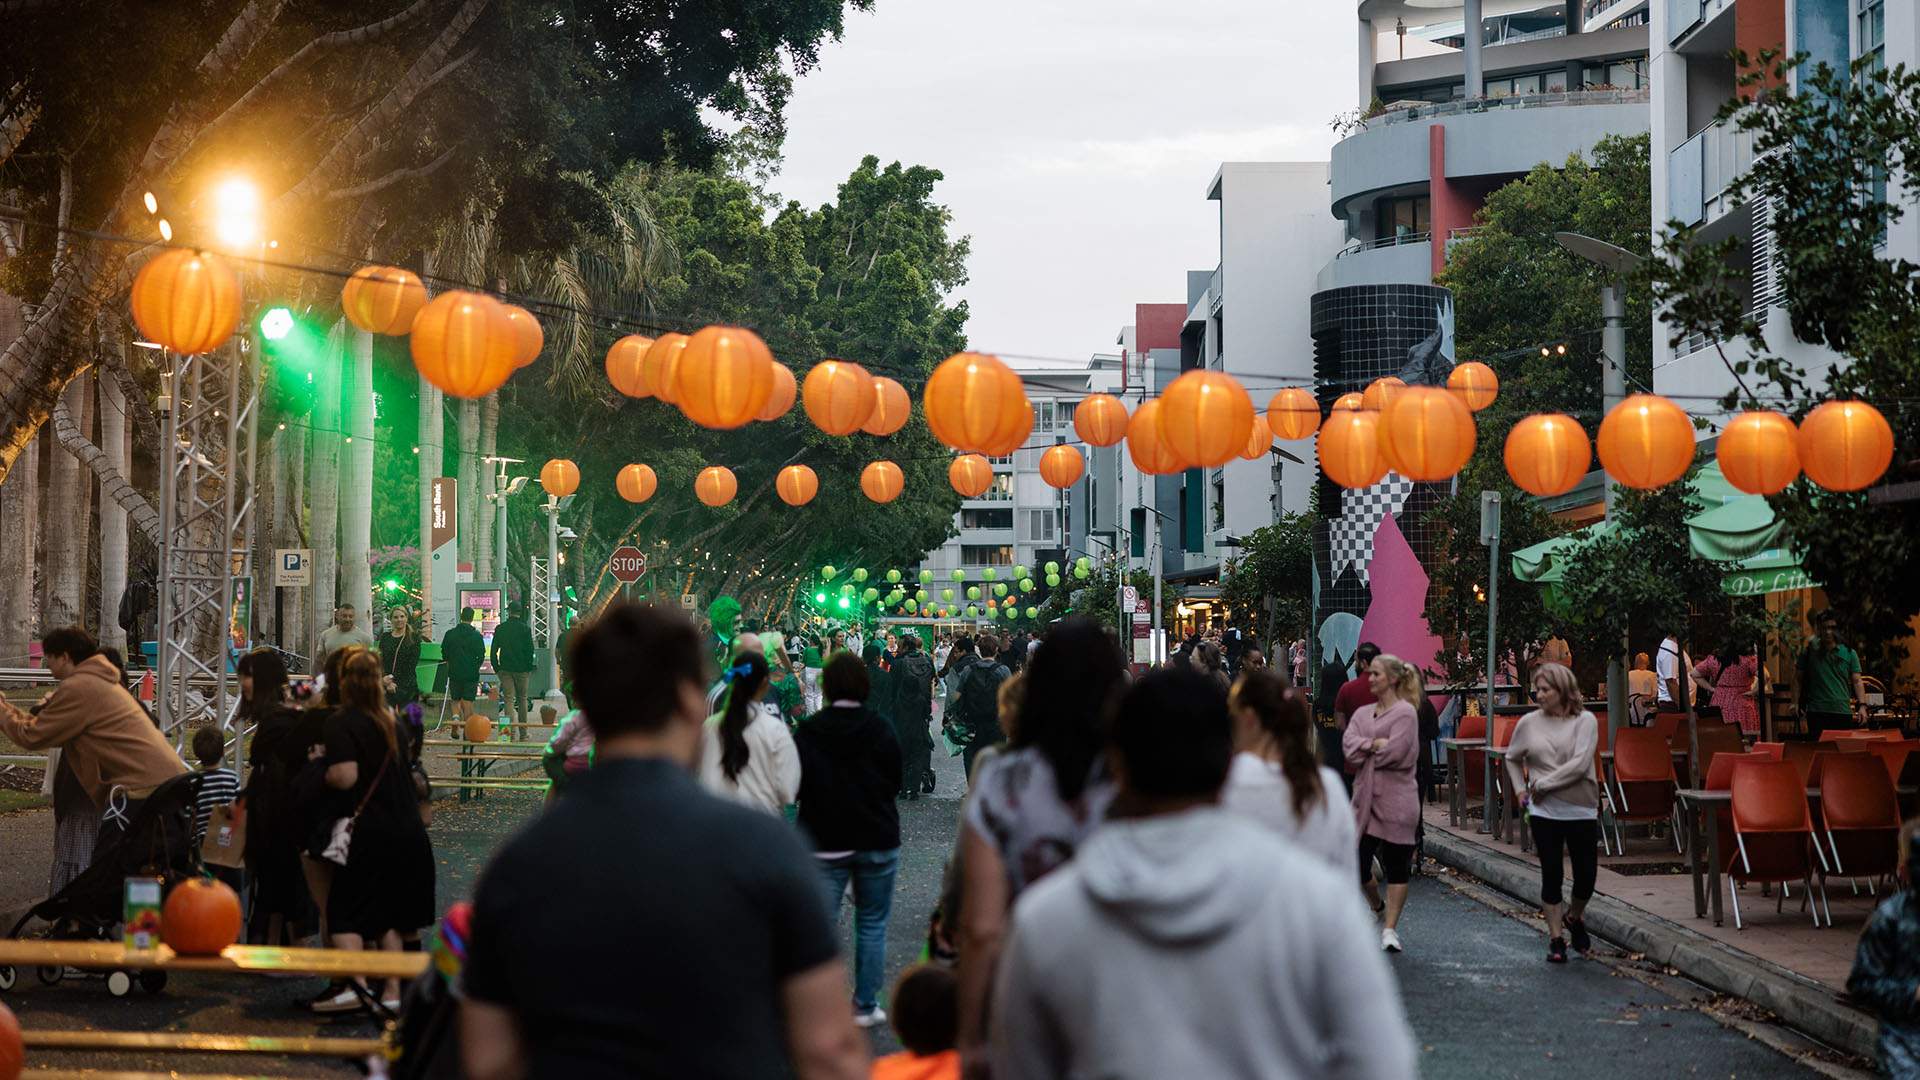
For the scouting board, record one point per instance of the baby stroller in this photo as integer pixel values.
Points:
(157, 843)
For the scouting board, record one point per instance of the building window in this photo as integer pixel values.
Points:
(986, 519)
(1002, 486)
(1870, 36)
(1629, 74)
(1537, 82)
(1218, 510)
(986, 555)
(1405, 219)
(1039, 526)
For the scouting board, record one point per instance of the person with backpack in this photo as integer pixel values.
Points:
(977, 706)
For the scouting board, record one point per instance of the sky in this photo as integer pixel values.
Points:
(1078, 138)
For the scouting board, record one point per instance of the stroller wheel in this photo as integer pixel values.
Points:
(49, 974)
(7, 977)
(153, 981)
(119, 983)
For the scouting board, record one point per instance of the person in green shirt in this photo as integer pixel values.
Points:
(1831, 693)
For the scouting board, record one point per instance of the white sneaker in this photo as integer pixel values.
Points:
(873, 1017)
(344, 1001)
(1389, 941)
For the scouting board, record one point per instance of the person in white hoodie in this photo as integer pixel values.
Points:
(1185, 940)
(748, 754)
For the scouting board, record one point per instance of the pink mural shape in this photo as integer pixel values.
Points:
(1396, 617)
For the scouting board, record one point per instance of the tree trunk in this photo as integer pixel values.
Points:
(432, 433)
(484, 557)
(324, 483)
(469, 477)
(69, 497)
(356, 524)
(114, 442)
(295, 533)
(19, 522)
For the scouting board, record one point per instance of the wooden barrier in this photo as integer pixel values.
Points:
(193, 1043)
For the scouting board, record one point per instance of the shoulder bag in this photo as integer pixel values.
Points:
(342, 839)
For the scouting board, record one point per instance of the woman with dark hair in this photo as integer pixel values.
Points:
(384, 879)
(1276, 777)
(273, 832)
(748, 754)
(850, 770)
(1727, 680)
(1034, 804)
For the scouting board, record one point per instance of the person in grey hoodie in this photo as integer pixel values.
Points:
(1183, 940)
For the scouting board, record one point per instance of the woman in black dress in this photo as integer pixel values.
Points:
(385, 889)
(400, 659)
(273, 832)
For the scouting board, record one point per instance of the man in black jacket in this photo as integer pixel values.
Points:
(462, 650)
(912, 710)
(513, 662)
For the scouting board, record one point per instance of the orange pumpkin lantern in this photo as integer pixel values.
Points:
(1426, 433)
(1845, 445)
(882, 481)
(662, 364)
(1100, 420)
(1061, 466)
(200, 918)
(1014, 436)
(1476, 384)
(1381, 392)
(796, 485)
(1547, 454)
(971, 475)
(1646, 442)
(1148, 450)
(1293, 413)
(1759, 452)
(1259, 441)
(715, 485)
(636, 483)
(477, 728)
(891, 407)
(382, 299)
(13, 1047)
(784, 393)
(838, 396)
(1352, 401)
(188, 301)
(463, 343)
(1206, 418)
(973, 401)
(528, 338)
(724, 377)
(1350, 448)
(560, 477)
(625, 366)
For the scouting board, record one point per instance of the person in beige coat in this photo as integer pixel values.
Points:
(105, 738)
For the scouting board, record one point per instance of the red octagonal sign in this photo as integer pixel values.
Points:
(627, 564)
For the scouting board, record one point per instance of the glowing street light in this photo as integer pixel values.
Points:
(236, 210)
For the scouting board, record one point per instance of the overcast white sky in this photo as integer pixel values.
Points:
(1077, 138)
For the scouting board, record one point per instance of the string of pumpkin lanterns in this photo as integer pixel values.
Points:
(468, 344)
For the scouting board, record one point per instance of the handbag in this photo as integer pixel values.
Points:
(341, 840)
(225, 842)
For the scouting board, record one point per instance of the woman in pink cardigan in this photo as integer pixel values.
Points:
(1382, 748)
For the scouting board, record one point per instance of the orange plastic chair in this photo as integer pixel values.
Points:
(1720, 778)
(1503, 727)
(1643, 779)
(1666, 724)
(1774, 751)
(1773, 832)
(1860, 814)
(1717, 739)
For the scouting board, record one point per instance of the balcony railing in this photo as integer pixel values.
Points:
(1403, 111)
(1216, 290)
(1701, 171)
(1385, 242)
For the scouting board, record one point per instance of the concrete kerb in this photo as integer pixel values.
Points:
(1801, 1003)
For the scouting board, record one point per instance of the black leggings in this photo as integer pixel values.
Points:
(1396, 860)
(1581, 840)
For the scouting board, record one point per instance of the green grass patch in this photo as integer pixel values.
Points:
(11, 801)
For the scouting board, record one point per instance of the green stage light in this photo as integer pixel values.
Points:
(276, 324)
(392, 584)
(843, 603)
(819, 598)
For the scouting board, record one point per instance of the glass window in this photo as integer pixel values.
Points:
(1630, 74)
(986, 555)
(1039, 526)
(986, 519)
(1870, 36)
(1406, 218)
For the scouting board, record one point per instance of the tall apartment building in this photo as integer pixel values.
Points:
(1696, 158)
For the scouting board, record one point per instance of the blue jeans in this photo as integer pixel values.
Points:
(872, 873)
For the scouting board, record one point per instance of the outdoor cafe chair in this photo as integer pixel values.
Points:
(1773, 832)
(1503, 728)
(1643, 781)
(1860, 816)
(1895, 755)
(1720, 778)
(1666, 723)
(1773, 750)
(1801, 755)
(1717, 739)
(1845, 734)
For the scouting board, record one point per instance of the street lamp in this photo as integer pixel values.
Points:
(236, 213)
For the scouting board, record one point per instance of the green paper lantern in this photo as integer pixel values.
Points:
(958, 575)
(973, 592)
(912, 606)
(1033, 613)
(1081, 572)
(1021, 572)
(926, 577)
(972, 612)
(993, 613)
(827, 573)
(1052, 568)
(1053, 581)
(846, 590)
(893, 577)
(860, 574)
(947, 595)
(1026, 584)
(999, 588)
(989, 573)
(870, 595)
(920, 595)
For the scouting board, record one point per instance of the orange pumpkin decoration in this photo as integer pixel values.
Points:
(1015, 435)
(477, 728)
(662, 364)
(1149, 452)
(1206, 418)
(463, 343)
(626, 369)
(715, 486)
(796, 485)
(1476, 384)
(1381, 392)
(13, 1048)
(971, 475)
(1350, 448)
(382, 299)
(1547, 454)
(838, 396)
(1352, 401)
(973, 401)
(188, 301)
(1061, 466)
(1759, 452)
(560, 477)
(200, 918)
(1845, 445)
(528, 338)
(1259, 441)
(1646, 442)
(882, 481)
(1426, 433)
(636, 483)
(724, 377)
(1293, 414)
(784, 393)
(891, 407)
(1100, 420)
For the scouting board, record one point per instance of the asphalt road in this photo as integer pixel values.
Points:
(1481, 999)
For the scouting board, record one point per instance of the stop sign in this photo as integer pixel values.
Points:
(627, 564)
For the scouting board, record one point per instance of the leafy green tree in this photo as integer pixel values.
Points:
(1827, 156)
(1274, 577)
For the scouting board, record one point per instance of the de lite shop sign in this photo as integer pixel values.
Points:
(627, 564)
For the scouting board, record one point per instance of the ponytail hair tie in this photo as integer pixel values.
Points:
(735, 672)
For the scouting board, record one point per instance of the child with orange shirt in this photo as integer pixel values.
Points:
(925, 1017)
